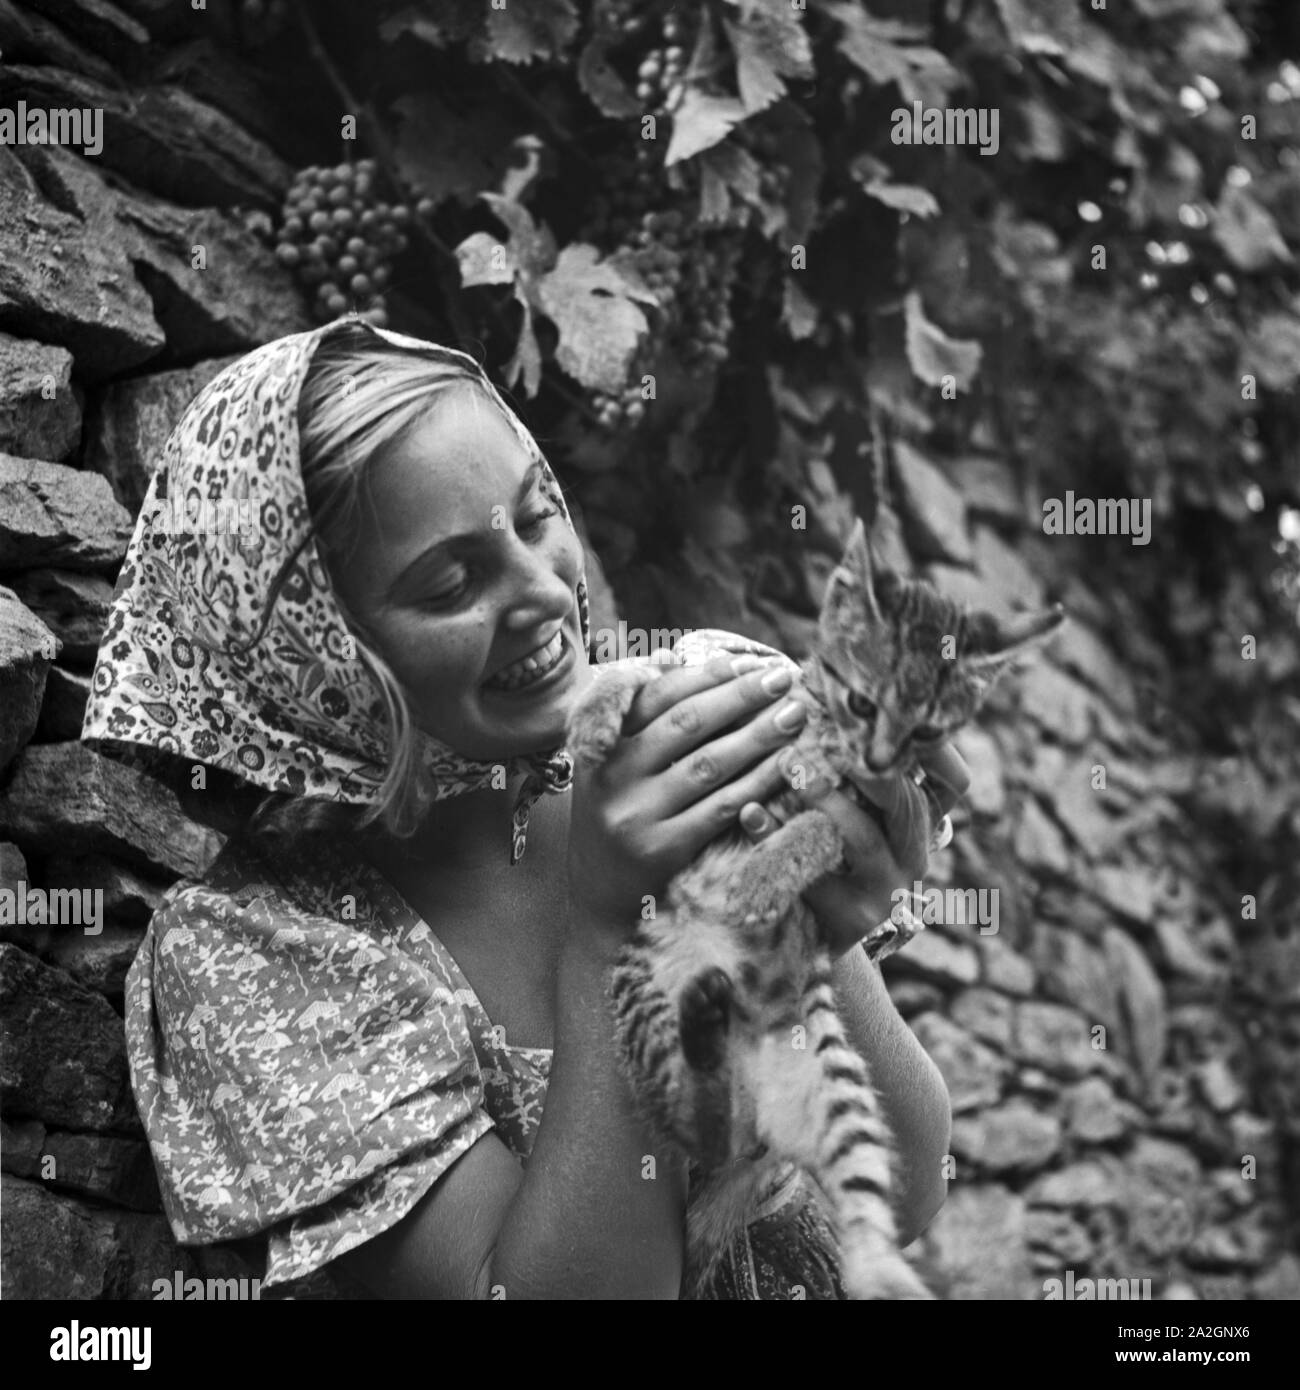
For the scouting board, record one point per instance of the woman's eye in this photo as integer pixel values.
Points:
(535, 523)
(860, 705)
(450, 594)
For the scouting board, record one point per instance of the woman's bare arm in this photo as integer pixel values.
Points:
(911, 1089)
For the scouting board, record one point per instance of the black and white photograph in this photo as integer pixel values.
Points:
(650, 651)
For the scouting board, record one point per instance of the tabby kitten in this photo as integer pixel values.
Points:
(724, 1009)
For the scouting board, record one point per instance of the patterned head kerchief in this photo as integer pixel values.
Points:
(225, 645)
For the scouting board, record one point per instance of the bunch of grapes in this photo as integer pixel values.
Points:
(625, 407)
(340, 239)
(711, 267)
(660, 72)
(692, 272)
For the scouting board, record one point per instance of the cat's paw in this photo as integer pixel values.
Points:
(596, 725)
(705, 1016)
(881, 1277)
(596, 722)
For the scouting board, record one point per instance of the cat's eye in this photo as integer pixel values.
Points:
(860, 705)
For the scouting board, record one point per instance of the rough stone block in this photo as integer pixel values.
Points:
(1008, 1138)
(27, 647)
(974, 1073)
(64, 282)
(62, 1050)
(129, 898)
(64, 798)
(58, 1247)
(163, 140)
(99, 962)
(64, 706)
(980, 1244)
(52, 515)
(73, 606)
(40, 417)
(1058, 1039)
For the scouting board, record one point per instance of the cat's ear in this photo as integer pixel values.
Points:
(1003, 640)
(858, 567)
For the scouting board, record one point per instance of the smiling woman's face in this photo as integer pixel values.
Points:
(463, 569)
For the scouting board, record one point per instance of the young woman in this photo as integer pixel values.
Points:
(375, 1039)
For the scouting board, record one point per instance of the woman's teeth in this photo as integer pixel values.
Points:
(531, 668)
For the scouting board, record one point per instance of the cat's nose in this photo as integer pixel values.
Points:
(879, 767)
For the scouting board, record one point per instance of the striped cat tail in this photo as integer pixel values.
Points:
(851, 1156)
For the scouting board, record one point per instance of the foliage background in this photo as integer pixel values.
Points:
(1165, 132)
(803, 293)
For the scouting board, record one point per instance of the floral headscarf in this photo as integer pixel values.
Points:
(225, 644)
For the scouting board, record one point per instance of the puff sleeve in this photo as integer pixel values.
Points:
(296, 1074)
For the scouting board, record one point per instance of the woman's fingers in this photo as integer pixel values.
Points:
(949, 774)
(684, 732)
(719, 765)
(708, 817)
(658, 696)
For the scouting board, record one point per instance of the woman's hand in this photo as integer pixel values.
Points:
(884, 853)
(699, 742)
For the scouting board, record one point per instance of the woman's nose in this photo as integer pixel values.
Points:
(541, 590)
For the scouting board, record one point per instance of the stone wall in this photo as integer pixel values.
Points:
(125, 283)
(1121, 1053)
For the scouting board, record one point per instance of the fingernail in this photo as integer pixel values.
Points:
(745, 663)
(754, 819)
(775, 682)
(790, 716)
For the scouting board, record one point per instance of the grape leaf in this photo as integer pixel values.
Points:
(532, 248)
(797, 148)
(1247, 232)
(522, 262)
(592, 305)
(484, 260)
(903, 197)
(608, 92)
(700, 122)
(770, 44)
(887, 51)
(419, 26)
(539, 29)
(526, 360)
(726, 169)
(442, 154)
(932, 354)
(453, 21)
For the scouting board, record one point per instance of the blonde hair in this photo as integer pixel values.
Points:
(360, 395)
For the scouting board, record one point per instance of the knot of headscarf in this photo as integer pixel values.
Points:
(225, 644)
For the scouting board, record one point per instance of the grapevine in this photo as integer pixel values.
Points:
(340, 239)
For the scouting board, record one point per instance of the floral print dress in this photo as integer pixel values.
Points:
(308, 1060)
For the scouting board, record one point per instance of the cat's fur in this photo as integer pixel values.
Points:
(724, 1007)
